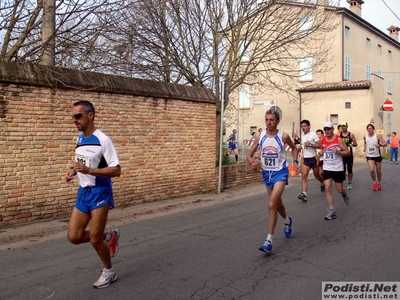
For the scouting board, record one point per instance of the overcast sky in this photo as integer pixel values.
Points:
(378, 14)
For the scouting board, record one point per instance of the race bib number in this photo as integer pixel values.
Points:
(270, 161)
(84, 159)
(371, 150)
(329, 155)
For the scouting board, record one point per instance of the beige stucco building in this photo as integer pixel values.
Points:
(363, 72)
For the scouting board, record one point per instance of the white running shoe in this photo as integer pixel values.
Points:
(105, 279)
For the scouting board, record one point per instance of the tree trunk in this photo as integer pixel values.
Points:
(48, 43)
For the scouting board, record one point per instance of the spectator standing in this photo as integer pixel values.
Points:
(394, 148)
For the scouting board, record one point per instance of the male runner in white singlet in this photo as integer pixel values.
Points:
(274, 171)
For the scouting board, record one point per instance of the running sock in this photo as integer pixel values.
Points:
(331, 208)
(305, 193)
(286, 221)
(344, 195)
(108, 236)
(236, 157)
(269, 238)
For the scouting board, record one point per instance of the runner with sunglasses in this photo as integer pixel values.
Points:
(275, 172)
(96, 161)
(333, 149)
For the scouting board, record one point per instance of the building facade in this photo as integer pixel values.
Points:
(363, 72)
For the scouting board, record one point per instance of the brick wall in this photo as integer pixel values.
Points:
(236, 175)
(164, 135)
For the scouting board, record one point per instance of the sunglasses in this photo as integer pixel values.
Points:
(273, 112)
(77, 116)
(327, 128)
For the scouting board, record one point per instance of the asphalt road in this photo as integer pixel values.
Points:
(212, 252)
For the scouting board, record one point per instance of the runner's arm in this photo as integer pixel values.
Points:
(381, 141)
(344, 151)
(253, 150)
(286, 139)
(354, 143)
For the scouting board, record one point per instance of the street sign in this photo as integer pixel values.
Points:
(388, 105)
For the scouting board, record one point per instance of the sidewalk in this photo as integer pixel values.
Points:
(18, 236)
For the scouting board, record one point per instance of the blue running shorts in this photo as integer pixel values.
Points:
(90, 198)
(271, 177)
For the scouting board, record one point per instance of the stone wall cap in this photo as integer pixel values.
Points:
(33, 74)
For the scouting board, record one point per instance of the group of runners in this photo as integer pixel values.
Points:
(328, 154)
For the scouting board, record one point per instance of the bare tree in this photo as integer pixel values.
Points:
(75, 37)
(195, 42)
(201, 42)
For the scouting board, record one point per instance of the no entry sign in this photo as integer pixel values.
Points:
(388, 105)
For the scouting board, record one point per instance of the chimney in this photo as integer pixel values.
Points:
(355, 6)
(394, 32)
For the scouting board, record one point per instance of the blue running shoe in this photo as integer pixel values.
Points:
(266, 247)
(287, 228)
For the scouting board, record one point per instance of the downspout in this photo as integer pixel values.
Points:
(300, 100)
(342, 35)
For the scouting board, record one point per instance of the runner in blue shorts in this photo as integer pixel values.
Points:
(233, 145)
(274, 171)
(96, 161)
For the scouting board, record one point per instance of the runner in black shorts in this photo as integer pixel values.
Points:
(310, 142)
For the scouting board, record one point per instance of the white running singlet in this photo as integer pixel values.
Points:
(371, 149)
(95, 151)
(313, 138)
(273, 154)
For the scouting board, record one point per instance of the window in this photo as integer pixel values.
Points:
(389, 84)
(306, 25)
(368, 72)
(380, 73)
(347, 31)
(245, 51)
(389, 55)
(347, 68)
(253, 129)
(306, 69)
(368, 43)
(335, 119)
(244, 97)
(379, 49)
(347, 105)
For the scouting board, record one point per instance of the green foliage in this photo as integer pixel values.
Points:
(386, 155)
(225, 159)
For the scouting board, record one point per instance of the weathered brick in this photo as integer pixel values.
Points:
(154, 137)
